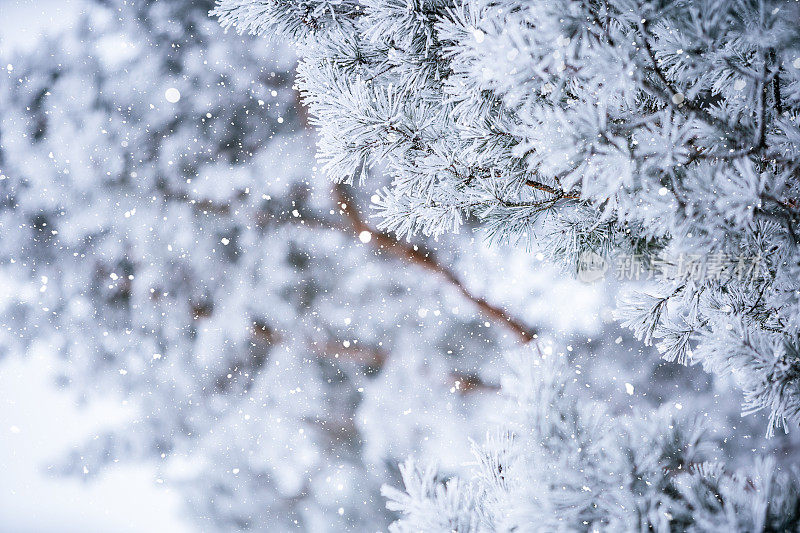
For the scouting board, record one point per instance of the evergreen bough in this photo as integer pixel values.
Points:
(666, 130)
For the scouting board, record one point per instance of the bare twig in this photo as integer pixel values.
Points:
(364, 355)
(467, 383)
(776, 82)
(760, 139)
(552, 190)
(427, 261)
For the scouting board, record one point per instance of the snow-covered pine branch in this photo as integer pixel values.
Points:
(663, 128)
(563, 465)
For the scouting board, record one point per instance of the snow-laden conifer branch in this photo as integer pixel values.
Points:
(662, 129)
(559, 465)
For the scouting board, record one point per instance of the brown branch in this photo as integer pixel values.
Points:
(552, 190)
(761, 133)
(363, 355)
(672, 92)
(776, 82)
(471, 383)
(375, 357)
(413, 255)
(427, 261)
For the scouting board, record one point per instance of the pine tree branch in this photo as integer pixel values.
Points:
(416, 256)
(426, 260)
(673, 93)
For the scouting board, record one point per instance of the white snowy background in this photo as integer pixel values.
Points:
(38, 422)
